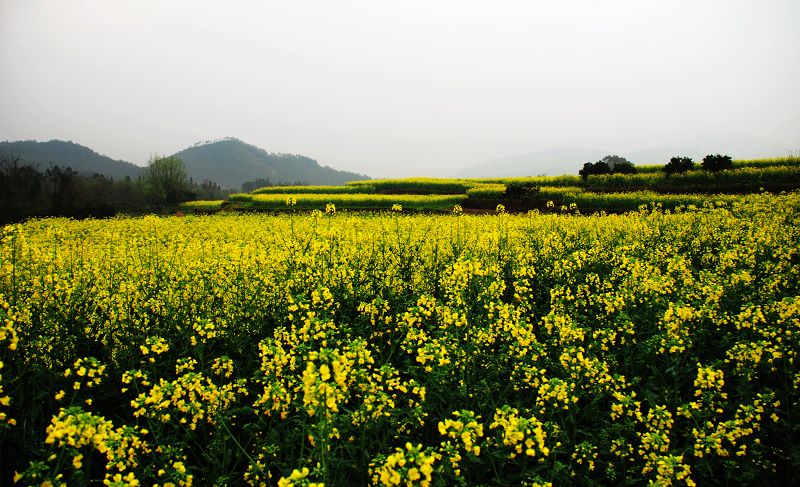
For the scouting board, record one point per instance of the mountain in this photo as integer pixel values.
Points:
(569, 160)
(560, 160)
(67, 154)
(230, 162)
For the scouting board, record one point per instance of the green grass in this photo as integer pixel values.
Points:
(417, 185)
(562, 180)
(649, 168)
(361, 188)
(772, 162)
(347, 201)
(744, 179)
(557, 193)
(487, 191)
(588, 202)
(202, 205)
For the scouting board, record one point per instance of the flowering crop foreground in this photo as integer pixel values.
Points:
(388, 349)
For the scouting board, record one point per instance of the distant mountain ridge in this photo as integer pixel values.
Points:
(68, 154)
(228, 162)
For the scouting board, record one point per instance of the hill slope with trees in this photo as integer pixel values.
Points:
(79, 158)
(231, 162)
(228, 162)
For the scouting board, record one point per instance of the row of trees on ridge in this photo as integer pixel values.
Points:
(613, 164)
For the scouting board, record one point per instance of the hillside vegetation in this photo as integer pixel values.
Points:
(231, 162)
(227, 162)
(80, 159)
(59, 178)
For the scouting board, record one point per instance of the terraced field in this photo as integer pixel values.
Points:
(603, 193)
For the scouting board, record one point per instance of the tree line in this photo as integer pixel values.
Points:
(26, 191)
(613, 164)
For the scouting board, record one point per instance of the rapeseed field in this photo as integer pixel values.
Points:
(338, 348)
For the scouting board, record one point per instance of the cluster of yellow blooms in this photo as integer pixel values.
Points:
(192, 397)
(410, 466)
(708, 378)
(655, 448)
(298, 478)
(73, 429)
(154, 345)
(525, 435)
(8, 340)
(204, 332)
(677, 330)
(89, 372)
(462, 435)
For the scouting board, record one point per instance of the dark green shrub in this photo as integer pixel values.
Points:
(623, 167)
(717, 163)
(599, 167)
(678, 165)
(524, 191)
(610, 164)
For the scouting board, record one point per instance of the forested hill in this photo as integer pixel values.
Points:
(230, 162)
(67, 154)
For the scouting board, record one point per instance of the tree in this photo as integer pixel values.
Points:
(610, 164)
(20, 189)
(625, 167)
(167, 179)
(717, 163)
(209, 190)
(599, 167)
(678, 165)
(587, 169)
(63, 184)
(253, 184)
(618, 164)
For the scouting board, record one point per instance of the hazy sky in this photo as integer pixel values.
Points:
(397, 88)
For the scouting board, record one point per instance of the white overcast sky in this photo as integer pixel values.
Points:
(397, 88)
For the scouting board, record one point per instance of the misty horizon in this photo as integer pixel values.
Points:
(401, 90)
